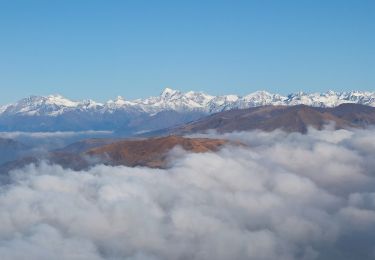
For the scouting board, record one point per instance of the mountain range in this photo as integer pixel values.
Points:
(150, 149)
(169, 109)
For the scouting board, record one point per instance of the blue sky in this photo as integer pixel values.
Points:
(101, 49)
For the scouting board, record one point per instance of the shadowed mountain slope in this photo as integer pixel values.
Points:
(290, 119)
(10, 149)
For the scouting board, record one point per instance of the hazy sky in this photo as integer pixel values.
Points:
(101, 49)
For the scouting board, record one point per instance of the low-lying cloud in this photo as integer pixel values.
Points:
(58, 134)
(41, 142)
(286, 196)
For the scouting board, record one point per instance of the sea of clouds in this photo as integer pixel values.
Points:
(284, 196)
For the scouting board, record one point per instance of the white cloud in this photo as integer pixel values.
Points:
(287, 196)
(58, 134)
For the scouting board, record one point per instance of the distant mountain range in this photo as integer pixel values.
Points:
(150, 149)
(169, 109)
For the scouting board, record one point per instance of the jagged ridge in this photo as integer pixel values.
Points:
(173, 100)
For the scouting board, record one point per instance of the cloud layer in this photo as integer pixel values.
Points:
(41, 142)
(287, 196)
(57, 134)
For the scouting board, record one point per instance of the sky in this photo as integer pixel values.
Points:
(101, 49)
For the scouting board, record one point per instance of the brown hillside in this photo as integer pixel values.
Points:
(152, 152)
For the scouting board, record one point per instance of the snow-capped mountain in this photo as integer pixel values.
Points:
(171, 107)
(173, 100)
(51, 105)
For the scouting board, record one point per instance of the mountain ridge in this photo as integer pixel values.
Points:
(169, 99)
(171, 108)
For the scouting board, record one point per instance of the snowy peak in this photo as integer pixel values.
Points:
(262, 98)
(51, 105)
(170, 99)
(59, 100)
(168, 93)
(39, 105)
(331, 98)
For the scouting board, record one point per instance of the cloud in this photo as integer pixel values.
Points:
(287, 196)
(58, 134)
(42, 142)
